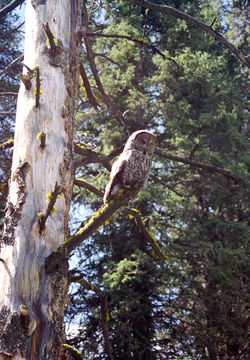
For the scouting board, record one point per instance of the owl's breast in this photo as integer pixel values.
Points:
(137, 166)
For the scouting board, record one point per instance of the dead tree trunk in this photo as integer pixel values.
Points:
(32, 303)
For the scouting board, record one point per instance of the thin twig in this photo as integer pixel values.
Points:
(108, 59)
(50, 208)
(9, 94)
(159, 181)
(19, 58)
(6, 113)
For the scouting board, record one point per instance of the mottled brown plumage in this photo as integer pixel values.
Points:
(133, 165)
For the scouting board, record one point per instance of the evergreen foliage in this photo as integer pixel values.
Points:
(193, 306)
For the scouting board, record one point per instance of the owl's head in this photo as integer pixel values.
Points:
(143, 141)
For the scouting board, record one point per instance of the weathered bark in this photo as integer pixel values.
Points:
(32, 303)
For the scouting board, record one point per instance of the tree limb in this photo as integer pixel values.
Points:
(83, 183)
(87, 87)
(6, 113)
(90, 54)
(8, 93)
(148, 236)
(104, 310)
(92, 156)
(132, 213)
(8, 8)
(199, 165)
(7, 144)
(192, 21)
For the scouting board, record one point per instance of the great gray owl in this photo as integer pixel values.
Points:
(133, 165)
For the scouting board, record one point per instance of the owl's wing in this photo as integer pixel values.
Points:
(116, 180)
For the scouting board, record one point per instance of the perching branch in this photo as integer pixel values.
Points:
(132, 213)
(104, 310)
(100, 217)
(8, 8)
(192, 21)
(198, 165)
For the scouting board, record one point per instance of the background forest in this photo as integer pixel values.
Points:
(143, 69)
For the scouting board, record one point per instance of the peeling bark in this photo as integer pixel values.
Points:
(32, 303)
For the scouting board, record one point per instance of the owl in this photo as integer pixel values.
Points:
(133, 165)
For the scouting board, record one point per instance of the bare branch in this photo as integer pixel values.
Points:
(83, 183)
(9, 94)
(93, 157)
(192, 21)
(148, 236)
(159, 181)
(104, 310)
(198, 165)
(8, 8)
(87, 87)
(19, 58)
(90, 54)
(6, 113)
(108, 59)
